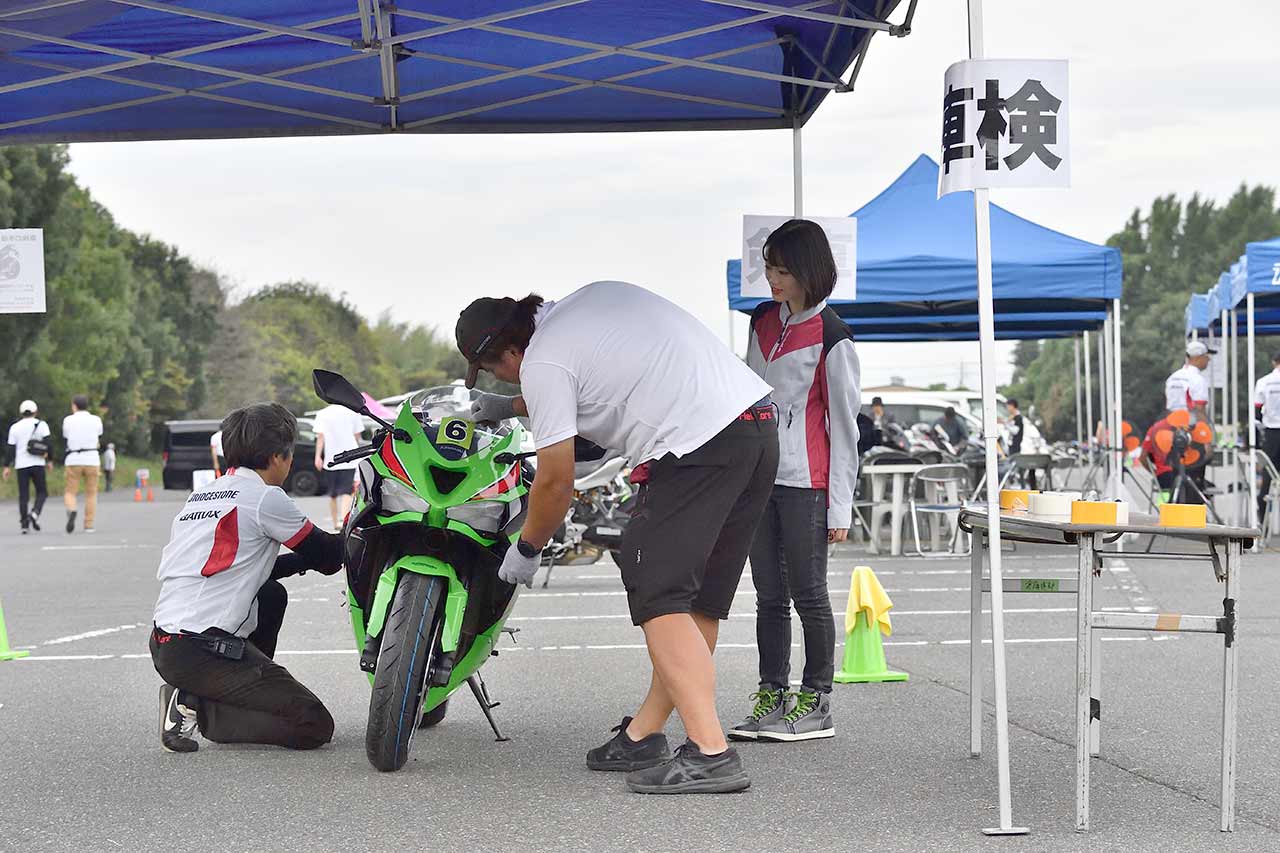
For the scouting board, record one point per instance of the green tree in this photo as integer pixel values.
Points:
(1170, 252)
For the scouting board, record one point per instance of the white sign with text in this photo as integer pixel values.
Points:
(842, 234)
(1005, 123)
(22, 271)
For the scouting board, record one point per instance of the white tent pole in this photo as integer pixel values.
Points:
(1088, 393)
(1076, 359)
(1252, 514)
(1104, 378)
(1233, 347)
(797, 167)
(987, 348)
(1226, 387)
(1117, 437)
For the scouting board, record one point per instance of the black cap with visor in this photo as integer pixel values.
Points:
(479, 325)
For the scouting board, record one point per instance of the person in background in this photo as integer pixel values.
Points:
(1017, 432)
(81, 430)
(26, 435)
(802, 348)
(1266, 402)
(109, 464)
(878, 415)
(216, 460)
(338, 430)
(954, 426)
(1186, 387)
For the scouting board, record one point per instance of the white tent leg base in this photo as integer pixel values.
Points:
(1007, 830)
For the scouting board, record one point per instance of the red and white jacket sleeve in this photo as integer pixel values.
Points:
(844, 399)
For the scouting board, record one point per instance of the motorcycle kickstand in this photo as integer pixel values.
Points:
(487, 705)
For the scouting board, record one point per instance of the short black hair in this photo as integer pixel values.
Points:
(1275, 358)
(1012, 401)
(518, 330)
(253, 435)
(801, 246)
(876, 401)
(81, 402)
(949, 412)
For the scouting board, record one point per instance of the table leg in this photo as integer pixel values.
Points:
(977, 561)
(1095, 694)
(877, 497)
(1235, 551)
(895, 539)
(1084, 654)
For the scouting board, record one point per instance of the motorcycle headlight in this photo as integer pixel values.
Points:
(480, 516)
(397, 497)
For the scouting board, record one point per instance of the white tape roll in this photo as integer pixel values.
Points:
(1053, 505)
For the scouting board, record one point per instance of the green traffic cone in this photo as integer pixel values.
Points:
(864, 656)
(5, 652)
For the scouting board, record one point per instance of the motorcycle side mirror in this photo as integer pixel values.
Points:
(334, 388)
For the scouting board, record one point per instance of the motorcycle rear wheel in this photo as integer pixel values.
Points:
(399, 684)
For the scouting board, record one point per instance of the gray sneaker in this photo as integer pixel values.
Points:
(808, 719)
(769, 708)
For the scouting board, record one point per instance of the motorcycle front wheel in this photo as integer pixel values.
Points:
(399, 684)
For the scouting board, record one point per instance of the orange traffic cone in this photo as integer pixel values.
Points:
(150, 496)
(137, 494)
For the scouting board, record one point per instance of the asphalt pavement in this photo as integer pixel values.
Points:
(81, 768)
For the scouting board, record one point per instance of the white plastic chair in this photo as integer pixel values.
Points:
(944, 491)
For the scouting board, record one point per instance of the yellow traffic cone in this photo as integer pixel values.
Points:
(863, 646)
(7, 653)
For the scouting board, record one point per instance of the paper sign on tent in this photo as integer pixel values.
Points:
(842, 234)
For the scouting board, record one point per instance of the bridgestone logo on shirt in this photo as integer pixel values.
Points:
(213, 496)
(196, 516)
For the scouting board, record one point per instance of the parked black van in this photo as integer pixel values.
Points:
(186, 449)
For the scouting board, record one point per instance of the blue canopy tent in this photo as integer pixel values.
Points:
(183, 69)
(916, 269)
(1248, 293)
(917, 279)
(1196, 315)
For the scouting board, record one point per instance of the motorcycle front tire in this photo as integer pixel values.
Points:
(409, 639)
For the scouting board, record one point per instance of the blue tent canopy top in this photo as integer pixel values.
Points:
(1197, 313)
(917, 269)
(182, 69)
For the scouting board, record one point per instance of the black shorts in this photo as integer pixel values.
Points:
(688, 537)
(340, 482)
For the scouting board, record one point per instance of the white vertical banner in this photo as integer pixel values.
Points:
(842, 234)
(22, 271)
(1005, 124)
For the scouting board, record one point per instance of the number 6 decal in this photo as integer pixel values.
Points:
(455, 431)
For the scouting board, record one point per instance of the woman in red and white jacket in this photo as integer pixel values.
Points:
(805, 351)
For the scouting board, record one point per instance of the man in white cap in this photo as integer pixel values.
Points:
(1187, 388)
(28, 451)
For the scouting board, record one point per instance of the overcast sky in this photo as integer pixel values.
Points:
(1165, 97)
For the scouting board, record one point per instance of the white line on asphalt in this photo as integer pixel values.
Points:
(101, 632)
(740, 592)
(66, 657)
(965, 612)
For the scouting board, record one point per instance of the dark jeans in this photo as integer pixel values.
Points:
(26, 476)
(251, 700)
(1271, 447)
(789, 564)
(109, 474)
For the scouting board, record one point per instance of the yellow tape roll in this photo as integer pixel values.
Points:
(1016, 498)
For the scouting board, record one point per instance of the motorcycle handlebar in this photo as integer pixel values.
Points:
(358, 453)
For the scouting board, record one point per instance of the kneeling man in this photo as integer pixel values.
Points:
(222, 604)
(632, 372)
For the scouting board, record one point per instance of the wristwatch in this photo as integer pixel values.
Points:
(526, 550)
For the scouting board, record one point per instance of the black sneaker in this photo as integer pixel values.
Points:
(177, 722)
(71, 521)
(624, 754)
(34, 518)
(691, 772)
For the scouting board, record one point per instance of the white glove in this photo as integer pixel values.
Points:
(492, 407)
(516, 568)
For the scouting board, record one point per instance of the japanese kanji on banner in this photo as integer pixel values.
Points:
(22, 271)
(842, 234)
(1005, 124)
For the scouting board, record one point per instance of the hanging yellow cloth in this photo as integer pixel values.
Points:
(866, 593)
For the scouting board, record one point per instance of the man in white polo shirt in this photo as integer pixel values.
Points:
(81, 431)
(23, 435)
(221, 604)
(1266, 402)
(338, 430)
(631, 372)
(1186, 388)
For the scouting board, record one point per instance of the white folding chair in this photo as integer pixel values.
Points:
(944, 492)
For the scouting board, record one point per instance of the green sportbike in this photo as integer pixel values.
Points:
(439, 499)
